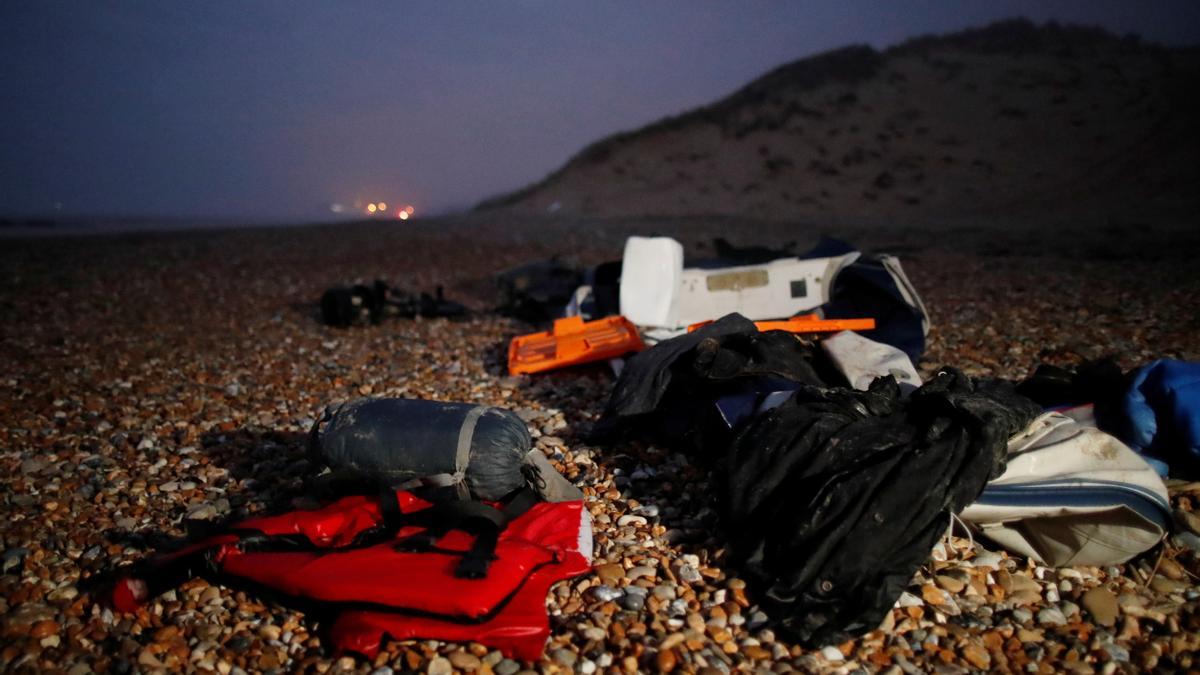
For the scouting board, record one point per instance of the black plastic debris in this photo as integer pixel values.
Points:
(342, 307)
(538, 292)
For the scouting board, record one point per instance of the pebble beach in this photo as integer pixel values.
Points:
(159, 384)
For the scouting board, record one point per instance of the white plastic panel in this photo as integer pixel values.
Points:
(650, 274)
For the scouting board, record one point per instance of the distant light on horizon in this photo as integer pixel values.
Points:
(403, 215)
(409, 209)
(383, 206)
(371, 208)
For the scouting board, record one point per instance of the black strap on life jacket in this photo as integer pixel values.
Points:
(484, 521)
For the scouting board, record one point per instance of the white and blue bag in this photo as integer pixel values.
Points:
(1072, 495)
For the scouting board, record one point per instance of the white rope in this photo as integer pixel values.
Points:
(970, 537)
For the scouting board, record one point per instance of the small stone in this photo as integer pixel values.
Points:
(507, 667)
(641, 571)
(564, 657)
(1025, 598)
(755, 653)
(13, 557)
(671, 641)
(1172, 570)
(934, 595)
(1020, 582)
(666, 660)
(633, 602)
(1068, 573)
(757, 620)
(833, 654)
(610, 574)
(202, 512)
(986, 559)
(42, 629)
(664, 592)
(907, 599)
(50, 641)
(950, 583)
(1102, 605)
(1029, 636)
(1165, 585)
(1116, 652)
(976, 655)
(689, 574)
(1022, 615)
(1069, 609)
(1189, 520)
(238, 644)
(439, 665)
(907, 666)
(1052, 616)
(64, 593)
(146, 658)
(606, 593)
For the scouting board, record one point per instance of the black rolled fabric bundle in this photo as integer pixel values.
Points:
(479, 452)
(836, 497)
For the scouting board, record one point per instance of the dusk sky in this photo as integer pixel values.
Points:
(275, 110)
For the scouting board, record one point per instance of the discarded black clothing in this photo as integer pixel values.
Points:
(538, 292)
(670, 390)
(836, 497)
(342, 307)
(1094, 381)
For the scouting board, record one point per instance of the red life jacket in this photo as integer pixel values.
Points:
(397, 567)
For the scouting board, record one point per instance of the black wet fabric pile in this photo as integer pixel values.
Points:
(833, 499)
(667, 393)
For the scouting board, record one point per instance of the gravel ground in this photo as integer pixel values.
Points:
(157, 382)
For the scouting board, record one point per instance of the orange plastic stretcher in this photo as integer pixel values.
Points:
(572, 342)
(806, 323)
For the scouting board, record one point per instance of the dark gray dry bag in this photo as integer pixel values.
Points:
(481, 452)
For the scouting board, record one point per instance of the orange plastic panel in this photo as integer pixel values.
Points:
(807, 323)
(573, 342)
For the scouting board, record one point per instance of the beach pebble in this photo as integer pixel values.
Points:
(832, 654)
(1052, 616)
(1101, 604)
